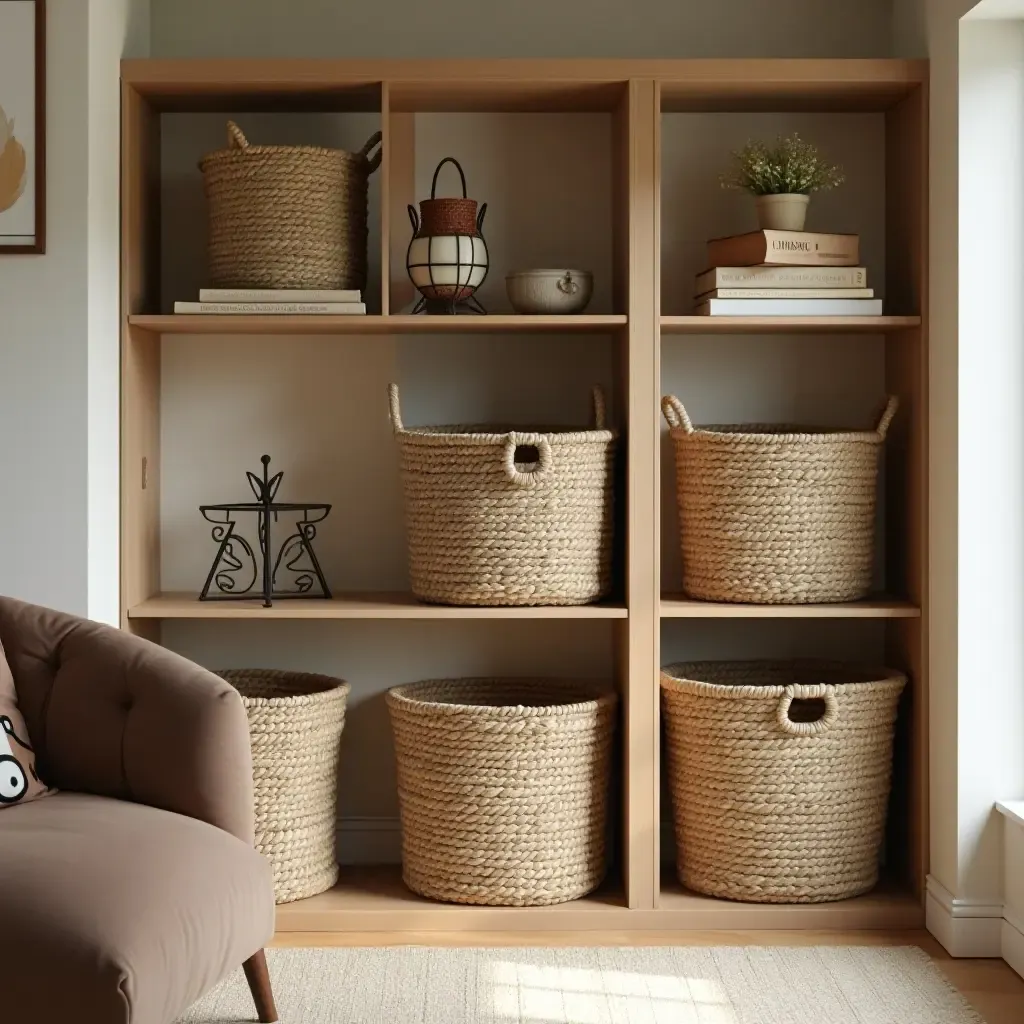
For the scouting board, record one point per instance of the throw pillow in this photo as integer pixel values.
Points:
(19, 781)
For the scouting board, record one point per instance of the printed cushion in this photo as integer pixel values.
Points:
(19, 781)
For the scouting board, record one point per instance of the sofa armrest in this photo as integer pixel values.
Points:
(117, 716)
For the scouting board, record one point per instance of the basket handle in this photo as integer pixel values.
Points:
(395, 408)
(599, 407)
(530, 477)
(437, 171)
(819, 691)
(675, 414)
(372, 163)
(891, 405)
(236, 137)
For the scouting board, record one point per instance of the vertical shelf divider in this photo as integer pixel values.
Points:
(400, 184)
(641, 696)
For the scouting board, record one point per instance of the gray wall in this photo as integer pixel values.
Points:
(523, 28)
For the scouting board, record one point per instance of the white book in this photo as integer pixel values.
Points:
(279, 295)
(788, 293)
(790, 307)
(272, 308)
(781, 277)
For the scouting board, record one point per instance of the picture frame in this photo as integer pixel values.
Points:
(22, 127)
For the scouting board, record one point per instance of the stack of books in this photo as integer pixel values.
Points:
(785, 273)
(274, 302)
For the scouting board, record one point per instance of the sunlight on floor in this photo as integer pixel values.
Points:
(532, 994)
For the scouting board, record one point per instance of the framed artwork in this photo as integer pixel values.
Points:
(22, 126)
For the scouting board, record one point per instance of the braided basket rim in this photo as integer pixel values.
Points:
(777, 433)
(406, 697)
(354, 160)
(486, 434)
(336, 689)
(676, 678)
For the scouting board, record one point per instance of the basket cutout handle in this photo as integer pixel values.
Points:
(437, 171)
(533, 450)
(819, 692)
(891, 405)
(395, 408)
(600, 413)
(675, 414)
(372, 163)
(236, 137)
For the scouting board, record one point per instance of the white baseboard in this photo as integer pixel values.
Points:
(1013, 944)
(965, 928)
(369, 841)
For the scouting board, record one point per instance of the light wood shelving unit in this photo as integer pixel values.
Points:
(634, 94)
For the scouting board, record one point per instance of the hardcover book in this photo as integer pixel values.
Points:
(781, 277)
(272, 308)
(785, 248)
(278, 295)
(790, 307)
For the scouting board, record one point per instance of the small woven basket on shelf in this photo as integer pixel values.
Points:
(780, 775)
(776, 514)
(503, 786)
(295, 724)
(287, 216)
(506, 517)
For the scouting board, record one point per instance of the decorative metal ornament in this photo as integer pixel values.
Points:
(447, 257)
(292, 572)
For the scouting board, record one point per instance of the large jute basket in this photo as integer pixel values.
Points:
(503, 787)
(496, 516)
(780, 775)
(776, 514)
(295, 724)
(287, 216)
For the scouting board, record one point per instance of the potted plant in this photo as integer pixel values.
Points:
(781, 178)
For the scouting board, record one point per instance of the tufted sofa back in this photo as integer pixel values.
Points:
(117, 716)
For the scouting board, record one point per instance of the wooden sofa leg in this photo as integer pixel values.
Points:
(258, 976)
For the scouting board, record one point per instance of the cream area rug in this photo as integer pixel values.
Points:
(643, 985)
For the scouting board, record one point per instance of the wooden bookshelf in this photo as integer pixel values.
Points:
(167, 358)
(788, 324)
(368, 326)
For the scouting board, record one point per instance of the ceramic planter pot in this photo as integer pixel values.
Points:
(550, 291)
(784, 212)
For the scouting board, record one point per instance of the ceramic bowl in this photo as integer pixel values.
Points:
(550, 291)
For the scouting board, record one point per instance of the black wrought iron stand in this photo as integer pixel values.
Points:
(223, 575)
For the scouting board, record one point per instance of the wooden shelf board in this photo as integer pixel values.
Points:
(676, 606)
(497, 323)
(521, 84)
(787, 324)
(353, 606)
(374, 899)
(887, 907)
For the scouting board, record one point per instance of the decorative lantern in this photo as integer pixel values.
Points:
(447, 257)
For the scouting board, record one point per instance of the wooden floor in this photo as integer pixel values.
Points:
(995, 991)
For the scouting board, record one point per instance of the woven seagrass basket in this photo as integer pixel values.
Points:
(776, 514)
(780, 775)
(503, 787)
(505, 517)
(295, 724)
(287, 216)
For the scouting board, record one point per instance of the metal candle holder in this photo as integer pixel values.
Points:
(223, 577)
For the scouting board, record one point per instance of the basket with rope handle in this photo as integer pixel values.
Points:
(780, 776)
(498, 516)
(776, 514)
(287, 216)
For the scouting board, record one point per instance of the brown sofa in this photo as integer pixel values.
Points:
(135, 888)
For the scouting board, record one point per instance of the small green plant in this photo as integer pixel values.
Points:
(790, 166)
